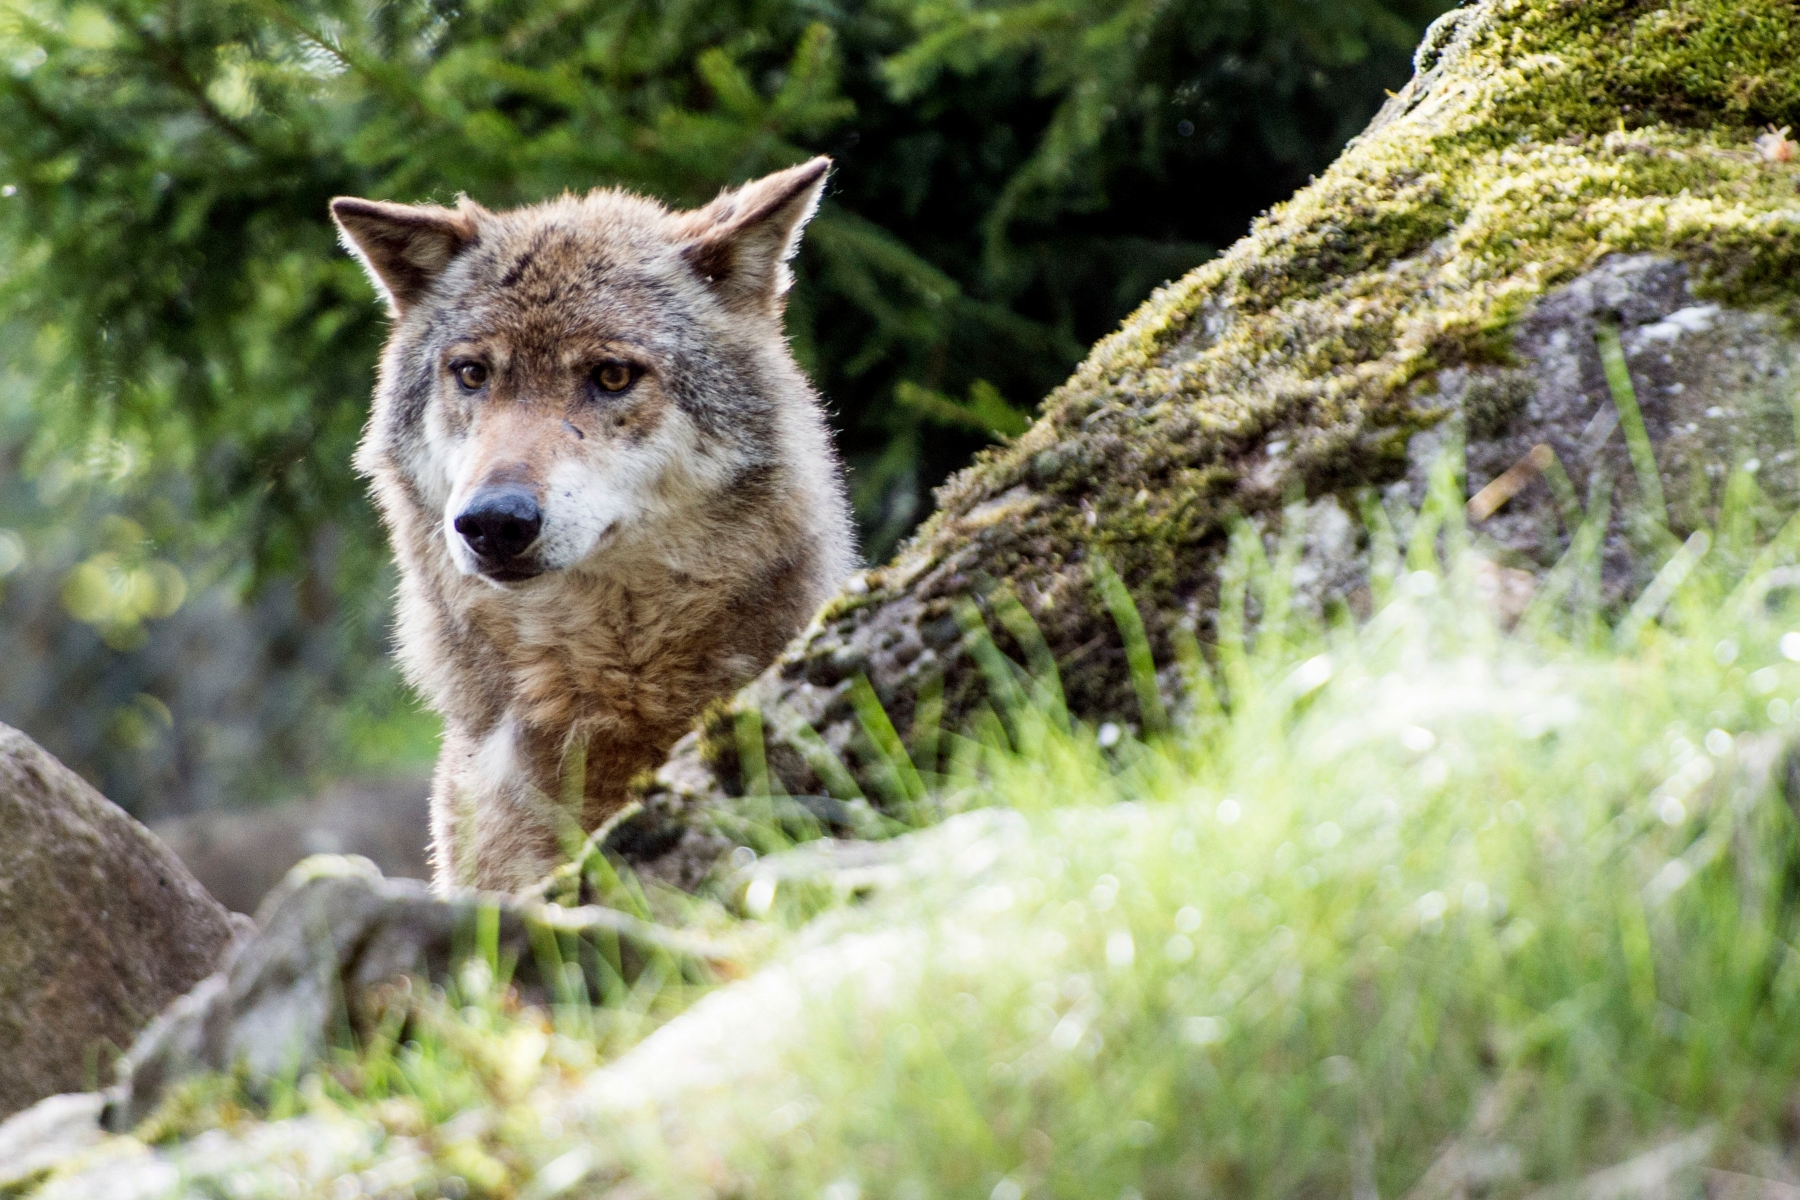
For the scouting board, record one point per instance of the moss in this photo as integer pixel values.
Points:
(1683, 64)
(1541, 137)
(1551, 135)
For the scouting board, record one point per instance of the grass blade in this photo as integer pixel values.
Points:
(1656, 597)
(1137, 646)
(1631, 418)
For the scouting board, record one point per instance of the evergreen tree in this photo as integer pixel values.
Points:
(188, 354)
(1014, 176)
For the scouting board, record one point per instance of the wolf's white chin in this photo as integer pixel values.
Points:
(517, 585)
(470, 567)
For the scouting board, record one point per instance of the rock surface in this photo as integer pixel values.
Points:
(333, 931)
(1714, 386)
(100, 927)
(1552, 171)
(730, 1041)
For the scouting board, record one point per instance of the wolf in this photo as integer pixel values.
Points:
(610, 489)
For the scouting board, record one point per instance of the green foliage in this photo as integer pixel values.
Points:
(1013, 177)
(188, 350)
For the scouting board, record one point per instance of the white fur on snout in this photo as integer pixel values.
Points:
(586, 498)
(436, 462)
(444, 469)
(460, 554)
(628, 491)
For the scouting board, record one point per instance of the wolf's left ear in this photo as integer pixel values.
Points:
(741, 242)
(404, 247)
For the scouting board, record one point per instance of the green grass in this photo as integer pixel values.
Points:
(1385, 888)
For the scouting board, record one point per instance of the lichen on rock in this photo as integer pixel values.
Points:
(1410, 285)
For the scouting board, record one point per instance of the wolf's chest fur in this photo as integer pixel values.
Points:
(614, 662)
(610, 490)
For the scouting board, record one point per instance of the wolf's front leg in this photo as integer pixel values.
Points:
(496, 823)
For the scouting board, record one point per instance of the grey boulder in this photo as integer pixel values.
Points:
(100, 927)
(335, 932)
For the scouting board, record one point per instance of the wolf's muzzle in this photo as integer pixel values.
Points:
(499, 526)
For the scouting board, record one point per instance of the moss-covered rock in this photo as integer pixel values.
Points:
(1555, 168)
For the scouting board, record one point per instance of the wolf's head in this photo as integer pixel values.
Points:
(586, 373)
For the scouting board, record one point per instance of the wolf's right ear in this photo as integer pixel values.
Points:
(404, 247)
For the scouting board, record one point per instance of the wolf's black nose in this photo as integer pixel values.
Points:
(500, 524)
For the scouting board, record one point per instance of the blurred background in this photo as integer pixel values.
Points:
(194, 590)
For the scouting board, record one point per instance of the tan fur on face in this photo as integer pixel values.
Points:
(691, 523)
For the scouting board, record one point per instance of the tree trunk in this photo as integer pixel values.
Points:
(1556, 175)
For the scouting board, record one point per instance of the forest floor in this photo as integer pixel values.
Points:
(1428, 903)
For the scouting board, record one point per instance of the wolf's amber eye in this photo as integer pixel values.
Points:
(614, 376)
(471, 375)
